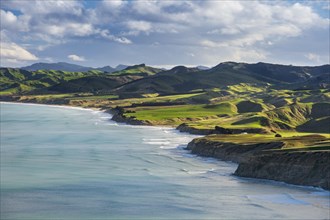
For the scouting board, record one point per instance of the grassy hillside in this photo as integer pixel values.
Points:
(230, 96)
(93, 84)
(13, 80)
(182, 79)
(241, 106)
(141, 69)
(19, 81)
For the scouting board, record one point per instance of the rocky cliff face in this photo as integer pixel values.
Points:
(301, 168)
(230, 151)
(184, 127)
(118, 116)
(255, 160)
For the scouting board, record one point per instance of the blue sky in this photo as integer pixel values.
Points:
(164, 33)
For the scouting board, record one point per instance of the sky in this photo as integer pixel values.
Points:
(164, 33)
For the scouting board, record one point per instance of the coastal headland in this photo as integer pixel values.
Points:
(275, 128)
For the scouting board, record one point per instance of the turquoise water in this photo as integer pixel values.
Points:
(70, 163)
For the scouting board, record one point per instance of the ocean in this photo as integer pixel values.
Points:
(72, 163)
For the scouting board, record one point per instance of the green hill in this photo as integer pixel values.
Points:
(247, 97)
(105, 83)
(140, 69)
(181, 80)
(16, 81)
(93, 84)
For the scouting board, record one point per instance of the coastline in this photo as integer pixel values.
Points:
(229, 151)
(54, 105)
(268, 162)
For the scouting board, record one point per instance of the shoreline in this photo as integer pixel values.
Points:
(54, 105)
(103, 111)
(206, 147)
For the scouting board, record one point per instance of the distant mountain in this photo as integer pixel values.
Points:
(62, 66)
(109, 69)
(106, 69)
(140, 69)
(203, 67)
(120, 67)
(180, 69)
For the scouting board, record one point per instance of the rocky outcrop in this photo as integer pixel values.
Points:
(261, 160)
(301, 168)
(118, 116)
(221, 130)
(128, 120)
(7, 98)
(184, 127)
(230, 151)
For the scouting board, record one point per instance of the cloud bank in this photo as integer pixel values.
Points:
(74, 57)
(166, 32)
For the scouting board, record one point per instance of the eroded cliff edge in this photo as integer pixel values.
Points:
(270, 160)
(311, 168)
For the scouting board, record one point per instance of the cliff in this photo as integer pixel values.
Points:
(184, 127)
(230, 151)
(301, 168)
(118, 116)
(266, 160)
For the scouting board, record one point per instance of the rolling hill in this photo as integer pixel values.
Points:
(182, 79)
(105, 83)
(18, 81)
(179, 79)
(140, 69)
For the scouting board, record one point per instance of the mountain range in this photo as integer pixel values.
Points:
(181, 79)
(141, 79)
(63, 66)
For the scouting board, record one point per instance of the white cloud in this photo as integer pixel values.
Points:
(313, 57)
(9, 21)
(68, 29)
(12, 51)
(209, 43)
(139, 25)
(54, 21)
(106, 34)
(241, 30)
(7, 17)
(113, 4)
(122, 40)
(38, 7)
(248, 55)
(74, 57)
